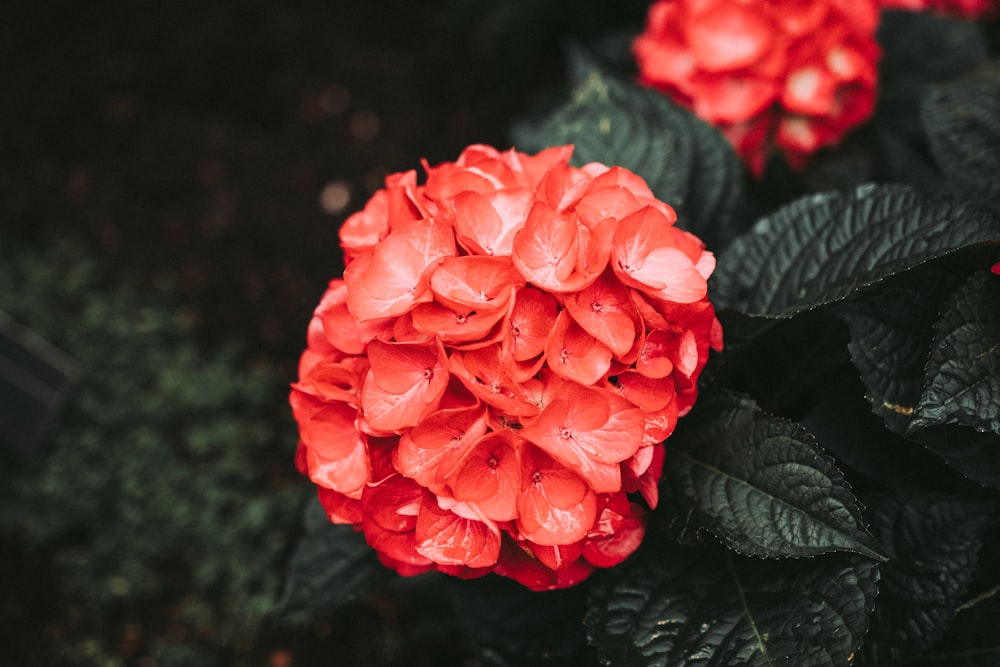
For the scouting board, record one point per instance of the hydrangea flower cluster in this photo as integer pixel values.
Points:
(488, 387)
(789, 76)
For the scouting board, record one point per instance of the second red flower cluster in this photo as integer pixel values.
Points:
(786, 76)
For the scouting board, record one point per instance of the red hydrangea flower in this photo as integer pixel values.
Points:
(792, 76)
(488, 387)
(967, 9)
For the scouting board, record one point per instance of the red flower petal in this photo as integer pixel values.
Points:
(661, 423)
(605, 311)
(534, 167)
(654, 359)
(729, 36)
(809, 89)
(396, 548)
(483, 373)
(555, 506)
(732, 98)
(393, 503)
(649, 394)
(446, 538)
(433, 450)
(334, 380)
(339, 508)
(545, 249)
(611, 180)
(574, 354)
(450, 179)
(485, 222)
(589, 430)
(335, 453)
(456, 326)
(390, 205)
(531, 321)
(608, 202)
(490, 476)
(617, 533)
(664, 60)
(561, 187)
(391, 279)
(405, 382)
(646, 256)
(520, 564)
(337, 324)
(559, 556)
(475, 283)
(649, 480)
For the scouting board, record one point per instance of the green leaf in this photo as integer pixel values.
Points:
(824, 247)
(962, 120)
(891, 329)
(958, 415)
(963, 371)
(332, 566)
(759, 483)
(686, 162)
(933, 378)
(842, 419)
(692, 607)
(933, 544)
(906, 71)
(972, 641)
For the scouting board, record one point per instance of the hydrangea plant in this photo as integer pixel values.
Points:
(832, 495)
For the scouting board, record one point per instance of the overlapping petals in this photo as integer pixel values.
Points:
(488, 387)
(775, 75)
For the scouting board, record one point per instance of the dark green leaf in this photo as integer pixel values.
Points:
(907, 70)
(963, 371)
(905, 159)
(891, 329)
(974, 454)
(962, 120)
(930, 382)
(760, 483)
(691, 607)
(822, 248)
(783, 364)
(686, 162)
(332, 566)
(843, 421)
(972, 641)
(958, 415)
(933, 544)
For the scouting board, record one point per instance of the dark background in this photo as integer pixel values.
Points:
(193, 142)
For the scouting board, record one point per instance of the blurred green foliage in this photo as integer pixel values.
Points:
(164, 505)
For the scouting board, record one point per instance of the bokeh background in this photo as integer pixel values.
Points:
(172, 178)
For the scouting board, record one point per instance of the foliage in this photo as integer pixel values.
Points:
(152, 504)
(833, 497)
